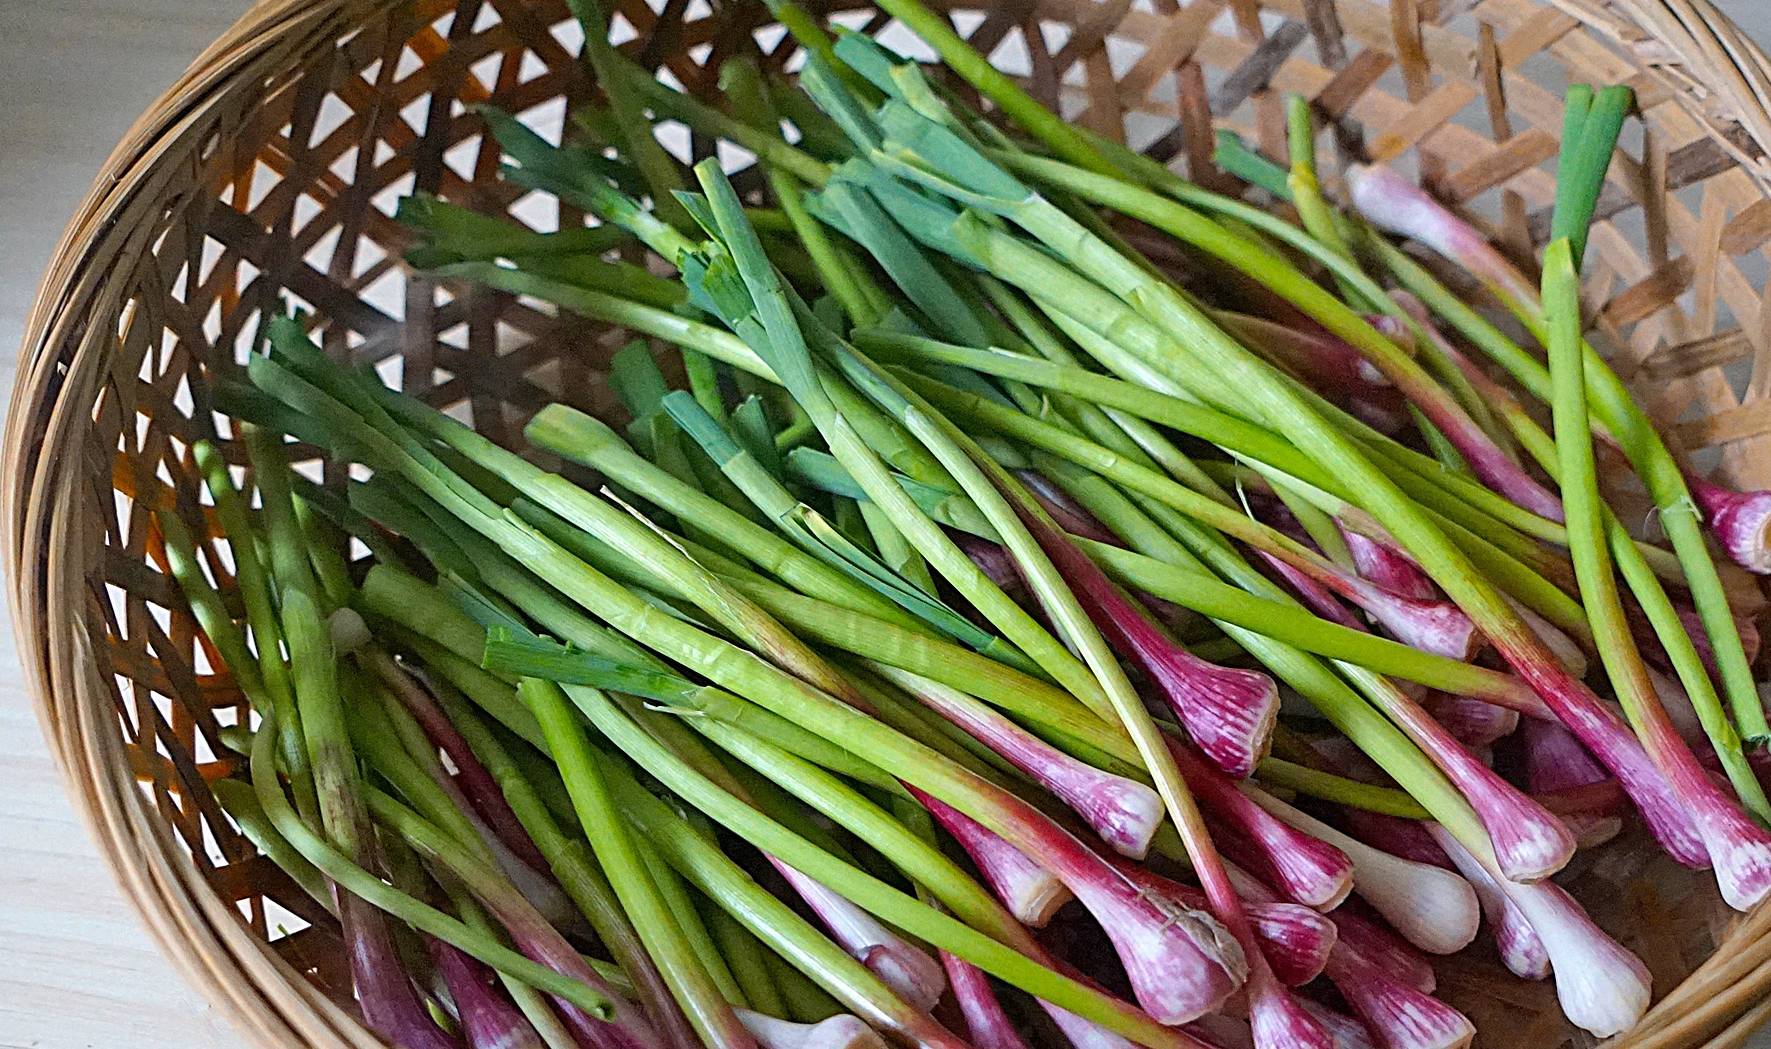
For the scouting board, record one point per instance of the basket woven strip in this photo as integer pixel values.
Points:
(269, 172)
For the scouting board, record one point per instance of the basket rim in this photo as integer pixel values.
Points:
(61, 353)
(194, 928)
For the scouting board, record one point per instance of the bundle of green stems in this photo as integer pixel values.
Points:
(951, 571)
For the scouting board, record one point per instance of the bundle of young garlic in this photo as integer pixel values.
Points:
(952, 599)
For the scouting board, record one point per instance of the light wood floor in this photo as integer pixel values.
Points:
(76, 968)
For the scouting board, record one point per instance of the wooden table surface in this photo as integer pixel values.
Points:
(77, 970)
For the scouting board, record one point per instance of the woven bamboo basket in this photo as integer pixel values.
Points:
(272, 167)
